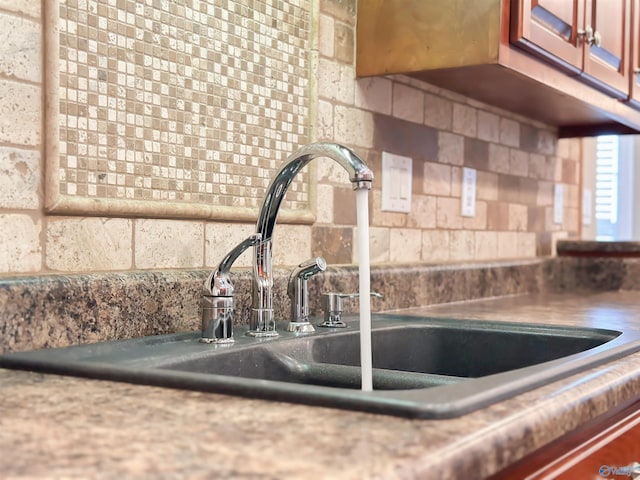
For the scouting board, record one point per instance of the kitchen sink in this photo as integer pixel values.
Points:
(422, 367)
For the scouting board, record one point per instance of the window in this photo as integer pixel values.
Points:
(607, 187)
(617, 199)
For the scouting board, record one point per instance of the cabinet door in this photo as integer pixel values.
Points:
(550, 29)
(607, 58)
(635, 52)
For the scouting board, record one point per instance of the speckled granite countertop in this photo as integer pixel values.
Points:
(57, 427)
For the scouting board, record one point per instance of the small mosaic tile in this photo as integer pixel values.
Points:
(195, 101)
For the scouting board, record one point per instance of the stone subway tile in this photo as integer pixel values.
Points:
(334, 244)
(408, 103)
(168, 244)
(19, 178)
(20, 250)
(91, 244)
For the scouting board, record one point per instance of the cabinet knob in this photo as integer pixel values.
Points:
(590, 37)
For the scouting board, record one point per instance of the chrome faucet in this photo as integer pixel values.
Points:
(217, 297)
(262, 321)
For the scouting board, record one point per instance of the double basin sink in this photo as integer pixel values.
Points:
(422, 367)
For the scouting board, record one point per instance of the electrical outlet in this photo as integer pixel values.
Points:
(396, 183)
(558, 203)
(468, 203)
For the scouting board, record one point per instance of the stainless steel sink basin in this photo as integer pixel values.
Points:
(423, 367)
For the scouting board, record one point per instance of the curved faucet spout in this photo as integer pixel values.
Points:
(262, 322)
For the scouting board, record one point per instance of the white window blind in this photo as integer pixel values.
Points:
(607, 170)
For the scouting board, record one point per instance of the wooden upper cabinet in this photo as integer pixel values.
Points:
(590, 38)
(550, 29)
(607, 58)
(634, 95)
(525, 56)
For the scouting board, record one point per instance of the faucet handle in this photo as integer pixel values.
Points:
(333, 308)
(217, 297)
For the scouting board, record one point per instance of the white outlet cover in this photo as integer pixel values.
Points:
(558, 203)
(468, 201)
(587, 213)
(396, 183)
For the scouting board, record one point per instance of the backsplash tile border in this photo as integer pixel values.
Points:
(299, 206)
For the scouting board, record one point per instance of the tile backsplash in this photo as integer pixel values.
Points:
(186, 102)
(171, 116)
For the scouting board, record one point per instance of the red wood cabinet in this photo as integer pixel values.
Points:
(634, 96)
(589, 38)
(607, 448)
(551, 30)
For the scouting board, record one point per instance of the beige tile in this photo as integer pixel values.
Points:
(448, 213)
(324, 204)
(408, 103)
(31, 8)
(487, 185)
(435, 246)
(465, 120)
(405, 245)
(384, 219)
(438, 111)
(20, 250)
(292, 245)
(450, 148)
(509, 132)
(90, 244)
(331, 172)
(169, 244)
(545, 194)
(498, 158)
(508, 245)
(456, 182)
(20, 57)
(572, 219)
(488, 126)
(325, 121)
(563, 147)
(20, 113)
(374, 93)
(558, 170)
(547, 142)
(19, 178)
(479, 220)
(378, 245)
(344, 200)
(572, 193)
(526, 245)
(462, 246)
(436, 179)
(518, 217)
(344, 43)
(334, 244)
(221, 238)
(518, 162)
(336, 81)
(353, 127)
(486, 245)
(326, 35)
(537, 166)
(423, 212)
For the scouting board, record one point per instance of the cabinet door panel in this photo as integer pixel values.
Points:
(635, 52)
(550, 28)
(608, 60)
